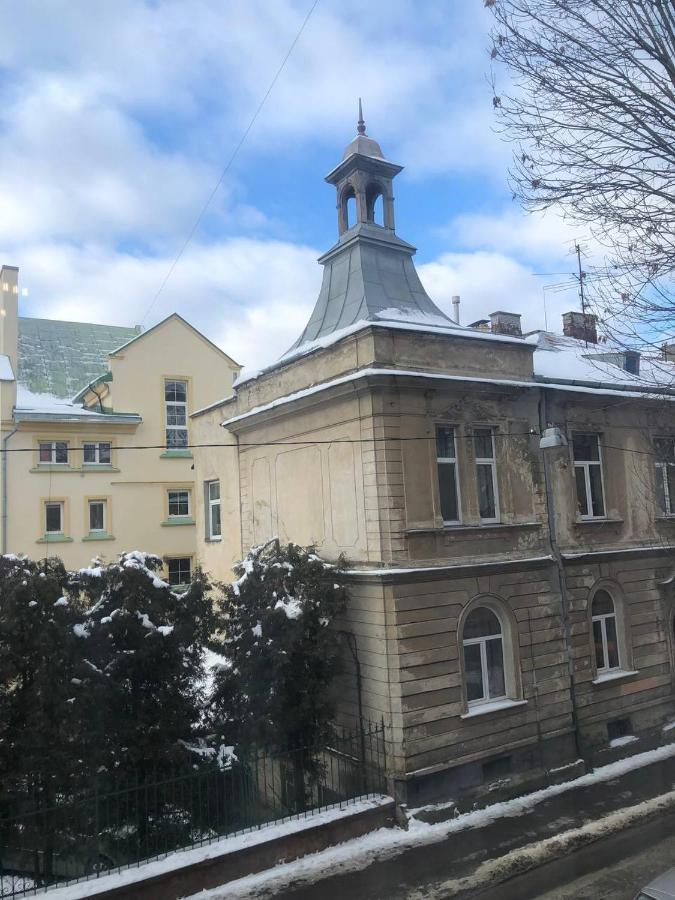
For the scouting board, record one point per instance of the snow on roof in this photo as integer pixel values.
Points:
(6, 371)
(30, 405)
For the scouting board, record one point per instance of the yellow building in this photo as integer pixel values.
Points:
(95, 425)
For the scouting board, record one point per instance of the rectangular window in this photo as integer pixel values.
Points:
(54, 518)
(664, 449)
(175, 397)
(446, 460)
(180, 570)
(212, 495)
(54, 452)
(97, 453)
(486, 474)
(97, 515)
(179, 503)
(588, 474)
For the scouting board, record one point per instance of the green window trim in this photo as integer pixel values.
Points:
(55, 467)
(176, 454)
(98, 536)
(54, 539)
(179, 520)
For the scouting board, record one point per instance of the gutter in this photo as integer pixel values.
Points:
(5, 516)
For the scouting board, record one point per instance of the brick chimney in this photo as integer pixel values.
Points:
(583, 326)
(506, 323)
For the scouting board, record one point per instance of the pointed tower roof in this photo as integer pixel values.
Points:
(369, 275)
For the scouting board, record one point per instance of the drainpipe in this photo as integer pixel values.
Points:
(559, 573)
(5, 441)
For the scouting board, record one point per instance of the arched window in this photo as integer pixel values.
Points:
(605, 633)
(483, 642)
(374, 204)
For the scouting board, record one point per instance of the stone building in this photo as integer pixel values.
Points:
(76, 400)
(509, 529)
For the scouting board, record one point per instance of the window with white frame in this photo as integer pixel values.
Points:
(605, 634)
(588, 474)
(446, 460)
(179, 503)
(664, 449)
(97, 453)
(179, 570)
(97, 515)
(54, 452)
(486, 474)
(54, 517)
(175, 397)
(483, 643)
(212, 497)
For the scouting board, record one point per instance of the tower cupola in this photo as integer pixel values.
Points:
(363, 176)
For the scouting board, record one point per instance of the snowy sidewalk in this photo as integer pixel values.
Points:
(425, 860)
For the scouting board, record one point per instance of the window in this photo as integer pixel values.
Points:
(55, 452)
(483, 657)
(97, 515)
(175, 396)
(54, 518)
(179, 503)
(447, 473)
(665, 474)
(605, 637)
(180, 570)
(486, 474)
(588, 474)
(97, 453)
(213, 510)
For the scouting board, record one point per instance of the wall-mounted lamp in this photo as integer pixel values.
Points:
(552, 437)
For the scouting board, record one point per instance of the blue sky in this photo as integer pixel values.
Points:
(116, 119)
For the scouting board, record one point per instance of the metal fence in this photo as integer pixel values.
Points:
(126, 821)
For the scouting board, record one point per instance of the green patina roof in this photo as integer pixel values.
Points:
(60, 358)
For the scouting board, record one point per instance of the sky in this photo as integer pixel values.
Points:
(118, 118)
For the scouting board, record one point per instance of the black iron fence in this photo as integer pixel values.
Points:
(125, 821)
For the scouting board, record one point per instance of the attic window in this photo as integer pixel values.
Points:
(631, 362)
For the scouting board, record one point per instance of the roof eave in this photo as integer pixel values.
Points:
(27, 415)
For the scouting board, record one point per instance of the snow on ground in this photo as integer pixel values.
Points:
(383, 844)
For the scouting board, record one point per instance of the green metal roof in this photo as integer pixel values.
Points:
(60, 358)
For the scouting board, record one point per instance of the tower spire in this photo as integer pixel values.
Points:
(361, 126)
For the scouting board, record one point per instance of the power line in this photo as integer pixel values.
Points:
(232, 158)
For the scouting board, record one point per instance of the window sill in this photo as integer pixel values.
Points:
(670, 518)
(55, 467)
(487, 526)
(493, 706)
(178, 520)
(599, 520)
(616, 675)
(54, 539)
(213, 540)
(179, 588)
(99, 536)
(176, 454)
(99, 467)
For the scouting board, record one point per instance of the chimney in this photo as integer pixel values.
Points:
(583, 326)
(506, 323)
(668, 351)
(9, 314)
(455, 309)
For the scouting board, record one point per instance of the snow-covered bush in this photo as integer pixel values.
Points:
(281, 653)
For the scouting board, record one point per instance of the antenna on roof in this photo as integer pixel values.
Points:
(361, 126)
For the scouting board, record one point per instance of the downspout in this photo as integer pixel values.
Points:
(559, 573)
(5, 516)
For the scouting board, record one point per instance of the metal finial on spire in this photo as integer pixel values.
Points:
(361, 127)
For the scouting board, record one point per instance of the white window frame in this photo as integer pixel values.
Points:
(52, 445)
(492, 463)
(210, 504)
(171, 559)
(62, 514)
(662, 467)
(466, 642)
(186, 491)
(178, 403)
(602, 618)
(97, 453)
(448, 460)
(104, 504)
(585, 465)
